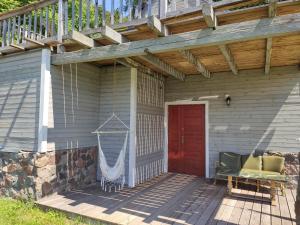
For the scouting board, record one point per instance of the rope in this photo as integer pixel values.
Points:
(114, 87)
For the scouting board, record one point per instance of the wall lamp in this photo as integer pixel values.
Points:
(227, 99)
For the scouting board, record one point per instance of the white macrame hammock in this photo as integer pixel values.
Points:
(112, 176)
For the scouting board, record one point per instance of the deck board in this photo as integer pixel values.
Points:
(175, 199)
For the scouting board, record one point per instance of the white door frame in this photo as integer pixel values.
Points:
(206, 104)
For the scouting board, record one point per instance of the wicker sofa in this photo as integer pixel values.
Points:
(250, 167)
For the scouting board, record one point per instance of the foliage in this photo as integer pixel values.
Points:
(6, 5)
(14, 212)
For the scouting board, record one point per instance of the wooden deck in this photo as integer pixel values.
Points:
(174, 199)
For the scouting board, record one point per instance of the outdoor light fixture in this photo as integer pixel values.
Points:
(227, 99)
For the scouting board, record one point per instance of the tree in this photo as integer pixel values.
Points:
(6, 5)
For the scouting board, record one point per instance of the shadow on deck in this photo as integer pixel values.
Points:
(174, 199)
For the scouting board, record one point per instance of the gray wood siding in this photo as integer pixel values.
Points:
(114, 96)
(74, 106)
(19, 101)
(150, 126)
(264, 113)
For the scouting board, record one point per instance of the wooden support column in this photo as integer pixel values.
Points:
(272, 13)
(44, 100)
(229, 58)
(268, 55)
(193, 60)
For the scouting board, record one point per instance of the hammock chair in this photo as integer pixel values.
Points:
(112, 176)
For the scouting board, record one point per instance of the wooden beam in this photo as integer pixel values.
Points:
(155, 61)
(244, 31)
(193, 60)
(18, 47)
(229, 58)
(157, 27)
(209, 15)
(83, 39)
(34, 41)
(112, 35)
(118, 38)
(272, 8)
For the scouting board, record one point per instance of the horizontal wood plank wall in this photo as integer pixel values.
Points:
(150, 126)
(264, 113)
(119, 102)
(74, 106)
(19, 101)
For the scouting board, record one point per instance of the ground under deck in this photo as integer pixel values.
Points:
(175, 199)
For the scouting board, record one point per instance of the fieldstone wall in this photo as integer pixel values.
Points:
(297, 204)
(291, 166)
(35, 175)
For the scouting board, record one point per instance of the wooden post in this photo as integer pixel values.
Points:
(229, 185)
(163, 8)
(273, 192)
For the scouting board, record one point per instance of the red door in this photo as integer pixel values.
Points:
(186, 138)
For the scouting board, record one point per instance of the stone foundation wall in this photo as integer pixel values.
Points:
(35, 175)
(291, 166)
(297, 204)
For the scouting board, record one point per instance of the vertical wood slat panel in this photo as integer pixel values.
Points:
(19, 30)
(41, 24)
(4, 33)
(46, 22)
(103, 13)
(140, 9)
(80, 15)
(149, 8)
(53, 30)
(186, 3)
(24, 28)
(29, 25)
(88, 9)
(13, 30)
(129, 10)
(66, 16)
(9, 31)
(96, 14)
(173, 5)
(73, 15)
(60, 28)
(121, 11)
(35, 24)
(1, 34)
(112, 12)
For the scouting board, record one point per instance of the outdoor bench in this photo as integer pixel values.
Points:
(267, 169)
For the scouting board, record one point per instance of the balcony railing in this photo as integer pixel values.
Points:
(56, 18)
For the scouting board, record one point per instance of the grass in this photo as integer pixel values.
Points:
(14, 212)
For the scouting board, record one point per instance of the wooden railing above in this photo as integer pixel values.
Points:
(56, 18)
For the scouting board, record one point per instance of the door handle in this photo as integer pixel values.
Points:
(182, 139)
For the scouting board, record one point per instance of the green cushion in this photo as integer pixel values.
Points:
(230, 162)
(254, 163)
(273, 163)
(261, 174)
